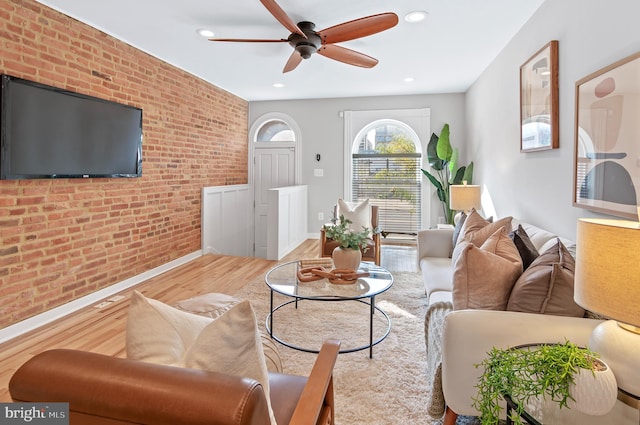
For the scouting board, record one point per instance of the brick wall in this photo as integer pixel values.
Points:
(61, 239)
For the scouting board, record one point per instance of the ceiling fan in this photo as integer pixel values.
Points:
(306, 41)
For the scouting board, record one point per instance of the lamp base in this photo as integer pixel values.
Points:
(619, 348)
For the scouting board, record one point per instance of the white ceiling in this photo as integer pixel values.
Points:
(444, 53)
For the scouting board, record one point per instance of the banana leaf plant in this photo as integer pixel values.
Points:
(443, 159)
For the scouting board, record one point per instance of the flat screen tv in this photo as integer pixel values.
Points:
(47, 132)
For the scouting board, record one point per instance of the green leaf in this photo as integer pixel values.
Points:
(434, 181)
(458, 177)
(432, 154)
(468, 173)
(453, 162)
(444, 145)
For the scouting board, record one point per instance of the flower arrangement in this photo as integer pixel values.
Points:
(340, 232)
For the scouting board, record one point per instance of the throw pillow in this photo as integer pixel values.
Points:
(477, 230)
(527, 250)
(213, 305)
(547, 285)
(483, 277)
(456, 231)
(158, 333)
(358, 213)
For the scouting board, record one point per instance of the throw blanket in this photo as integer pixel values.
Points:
(433, 326)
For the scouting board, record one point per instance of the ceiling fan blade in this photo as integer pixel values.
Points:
(293, 62)
(282, 16)
(358, 28)
(348, 56)
(248, 40)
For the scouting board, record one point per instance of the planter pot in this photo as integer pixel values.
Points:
(595, 393)
(346, 258)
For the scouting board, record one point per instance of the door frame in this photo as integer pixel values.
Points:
(253, 145)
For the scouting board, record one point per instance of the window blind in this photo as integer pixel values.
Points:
(391, 181)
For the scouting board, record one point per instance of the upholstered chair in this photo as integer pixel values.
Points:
(370, 253)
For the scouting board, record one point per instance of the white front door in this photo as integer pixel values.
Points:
(273, 167)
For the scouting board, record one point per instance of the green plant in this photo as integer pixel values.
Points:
(526, 373)
(443, 158)
(340, 232)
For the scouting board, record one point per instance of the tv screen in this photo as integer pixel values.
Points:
(47, 132)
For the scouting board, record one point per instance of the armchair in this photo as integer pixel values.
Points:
(109, 390)
(371, 253)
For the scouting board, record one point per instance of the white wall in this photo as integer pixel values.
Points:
(322, 133)
(538, 187)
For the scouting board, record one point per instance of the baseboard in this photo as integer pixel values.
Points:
(56, 313)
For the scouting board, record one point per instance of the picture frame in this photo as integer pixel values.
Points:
(607, 130)
(539, 100)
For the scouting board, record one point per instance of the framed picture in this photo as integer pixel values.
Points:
(539, 100)
(607, 139)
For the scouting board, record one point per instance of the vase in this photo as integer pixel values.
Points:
(346, 258)
(594, 392)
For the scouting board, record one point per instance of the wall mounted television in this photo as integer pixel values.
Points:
(47, 132)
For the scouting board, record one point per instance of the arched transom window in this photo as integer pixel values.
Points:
(275, 131)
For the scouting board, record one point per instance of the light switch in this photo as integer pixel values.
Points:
(318, 172)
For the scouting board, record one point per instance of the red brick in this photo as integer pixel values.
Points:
(69, 237)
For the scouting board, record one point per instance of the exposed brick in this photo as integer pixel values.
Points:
(62, 239)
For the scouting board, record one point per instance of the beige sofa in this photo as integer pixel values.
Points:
(458, 340)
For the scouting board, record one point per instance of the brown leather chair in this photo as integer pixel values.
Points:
(110, 390)
(370, 253)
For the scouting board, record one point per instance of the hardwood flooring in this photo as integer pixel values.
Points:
(102, 330)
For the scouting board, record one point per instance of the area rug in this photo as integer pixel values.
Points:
(390, 388)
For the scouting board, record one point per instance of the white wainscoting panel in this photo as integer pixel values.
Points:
(287, 220)
(227, 220)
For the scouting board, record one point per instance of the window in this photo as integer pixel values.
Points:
(385, 165)
(275, 131)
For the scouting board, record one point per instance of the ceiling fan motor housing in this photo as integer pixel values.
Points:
(306, 46)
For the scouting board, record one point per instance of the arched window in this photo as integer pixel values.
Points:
(275, 130)
(386, 159)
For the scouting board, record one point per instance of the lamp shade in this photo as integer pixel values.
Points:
(464, 197)
(607, 275)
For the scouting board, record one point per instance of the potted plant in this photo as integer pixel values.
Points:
(443, 158)
(347, 255)
(569, 375)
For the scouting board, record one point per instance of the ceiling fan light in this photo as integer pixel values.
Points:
(306, 50)
(415, 16)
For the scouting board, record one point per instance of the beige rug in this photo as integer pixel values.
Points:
(389, 389)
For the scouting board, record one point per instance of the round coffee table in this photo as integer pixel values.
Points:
(283, 279)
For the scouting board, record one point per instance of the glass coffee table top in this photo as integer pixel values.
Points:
(283, 280)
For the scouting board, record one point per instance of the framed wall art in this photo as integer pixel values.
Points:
(539, 100)
(607, 139)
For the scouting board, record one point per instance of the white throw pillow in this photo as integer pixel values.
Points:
(158, 333)
(358, 213)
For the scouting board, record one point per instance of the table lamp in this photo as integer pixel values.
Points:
(464, 197)
(607, 282)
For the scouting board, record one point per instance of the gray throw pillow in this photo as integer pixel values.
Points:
(527, 250)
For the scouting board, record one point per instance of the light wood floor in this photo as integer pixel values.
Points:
(103, 330)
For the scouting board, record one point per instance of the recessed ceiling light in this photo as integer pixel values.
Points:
(409, 79)
(278, 85)
(204, 32)
(415, 16)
